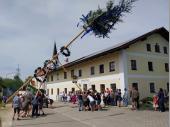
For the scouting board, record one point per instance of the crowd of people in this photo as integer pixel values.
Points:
(30, 104)
(93, 100)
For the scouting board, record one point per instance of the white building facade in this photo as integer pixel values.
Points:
(142, 62)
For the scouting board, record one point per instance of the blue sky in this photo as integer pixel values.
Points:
(28, 29)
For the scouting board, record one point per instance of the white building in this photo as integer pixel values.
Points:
(142, 62)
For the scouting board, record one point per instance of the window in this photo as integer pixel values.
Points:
(92, 70)
(93, 87)
(135, 85)
(51, 77)
(152, 87)
(73, 89)
(52, 91)
(133, 65)
(166, 67)
(112, 66)
(150, 66)
(113, 86)
(58, 91)
(102, 87)
(148, 47)
(72, 73)
(167, 86)
(157, 49)
(80, 73)
(101, 68)
(65, 75)
(84, 87)
(57, 76)
(65, 90)
(165, 50)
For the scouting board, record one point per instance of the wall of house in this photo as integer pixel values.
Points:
(85, 67)
(107, 78)
(123, 76)
(142, 75)
(144, 85)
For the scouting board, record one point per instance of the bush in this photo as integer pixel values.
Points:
(146, 99)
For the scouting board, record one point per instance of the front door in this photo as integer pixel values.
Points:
(113, 86)
(93, 87)
(84, 87)
(73, 90)
(102, 87)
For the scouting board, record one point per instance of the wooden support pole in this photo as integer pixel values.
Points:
(78, 86)
(19, 89)
(54, 57)
(66, 46)
(75, 38)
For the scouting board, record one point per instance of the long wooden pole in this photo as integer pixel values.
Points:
(78, 86)
(55, 56)
(19, 89)
(75, 38)
(66, 46)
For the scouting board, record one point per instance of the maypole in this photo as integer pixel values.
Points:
(99, 22)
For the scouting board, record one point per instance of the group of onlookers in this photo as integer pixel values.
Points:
(86, 100)
(93, 100)
(30, 105)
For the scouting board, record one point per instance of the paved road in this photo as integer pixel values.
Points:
(65, 115)
(5, 116)
(53, 119)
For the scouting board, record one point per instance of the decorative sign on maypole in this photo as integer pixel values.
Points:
(99, 22)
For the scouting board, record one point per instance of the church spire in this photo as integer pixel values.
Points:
(54, 53)
(55, 49)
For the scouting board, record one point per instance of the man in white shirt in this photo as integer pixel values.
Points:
(92, 102)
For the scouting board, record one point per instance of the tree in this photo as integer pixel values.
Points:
(17, 78)
(11, 84)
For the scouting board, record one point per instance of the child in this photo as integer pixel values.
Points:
(155, 102)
